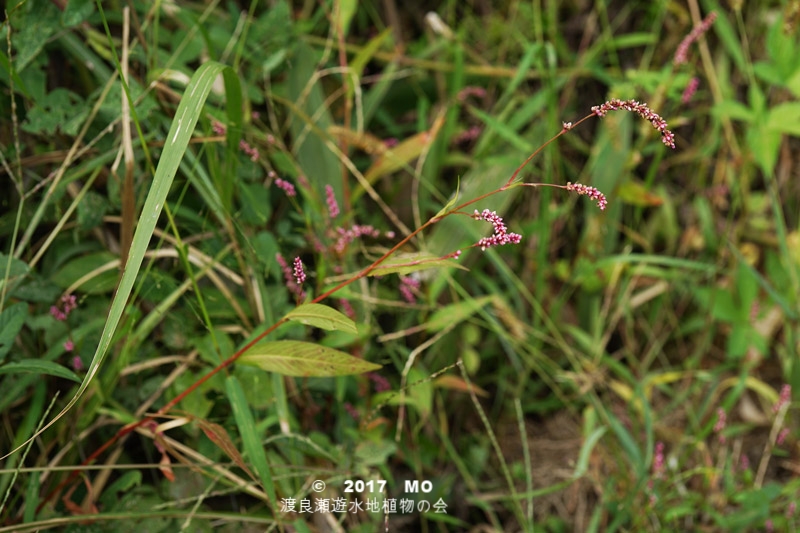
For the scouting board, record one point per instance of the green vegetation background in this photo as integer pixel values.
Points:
(631, 369)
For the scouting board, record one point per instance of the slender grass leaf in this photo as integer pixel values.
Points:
(175, 144)
(34, 415)
(38, 366)
(405, 264)
(401, 155)
(304, 359)
(632, 451)
(452, 314)
(503, 130)
(364, 56)
(322, 316)
(11, 321)
(247, 429)
(310, 120)
(586, 452)
(451, 202)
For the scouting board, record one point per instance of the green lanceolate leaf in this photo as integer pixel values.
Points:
(455, 313)
(304, 359)
(322, 316)
(11, 321)
(405, 264)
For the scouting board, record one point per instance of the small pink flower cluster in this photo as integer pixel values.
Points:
(251, 152)
(690, 89)
(287, 187)
(289, 276)
(744, 463)
(782, 436)
(330, 199)
(352, 411)
(346, 236)
(69, 303)
(299, 274)
(591, 192)
(682, 52)
(501, 235)
(785, 398)
(381, 383)
(466, 92)
(658, 460)
(722, 420)
(667, 137)
(469, 135)
(347, 309)
(407, 287)
(218, 128)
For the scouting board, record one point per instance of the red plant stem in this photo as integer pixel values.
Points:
(230, 360)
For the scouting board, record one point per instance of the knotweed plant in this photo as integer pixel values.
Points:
(316, 360)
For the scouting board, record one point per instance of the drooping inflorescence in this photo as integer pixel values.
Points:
(591, 192)
(641, 109)
(682, 52)
(500, 236)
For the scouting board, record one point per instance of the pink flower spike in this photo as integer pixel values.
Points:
(407, 287)
(299, 275)
(501, 235)
(347, 309)
(68, 304)
(330, 198)
(381, 383)
(77, 363)
(249, 150)
(288, 277)
(722, 419)
(466, 92)
(218, 128)
(682, 52)
(690, 89)
(744, 462)
(667, 137)
(658, 460)
(287, 187)
(785, 398)
(591, 192)
(69, 346)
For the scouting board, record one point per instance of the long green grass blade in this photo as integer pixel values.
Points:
(247, 430)
(180, 133)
